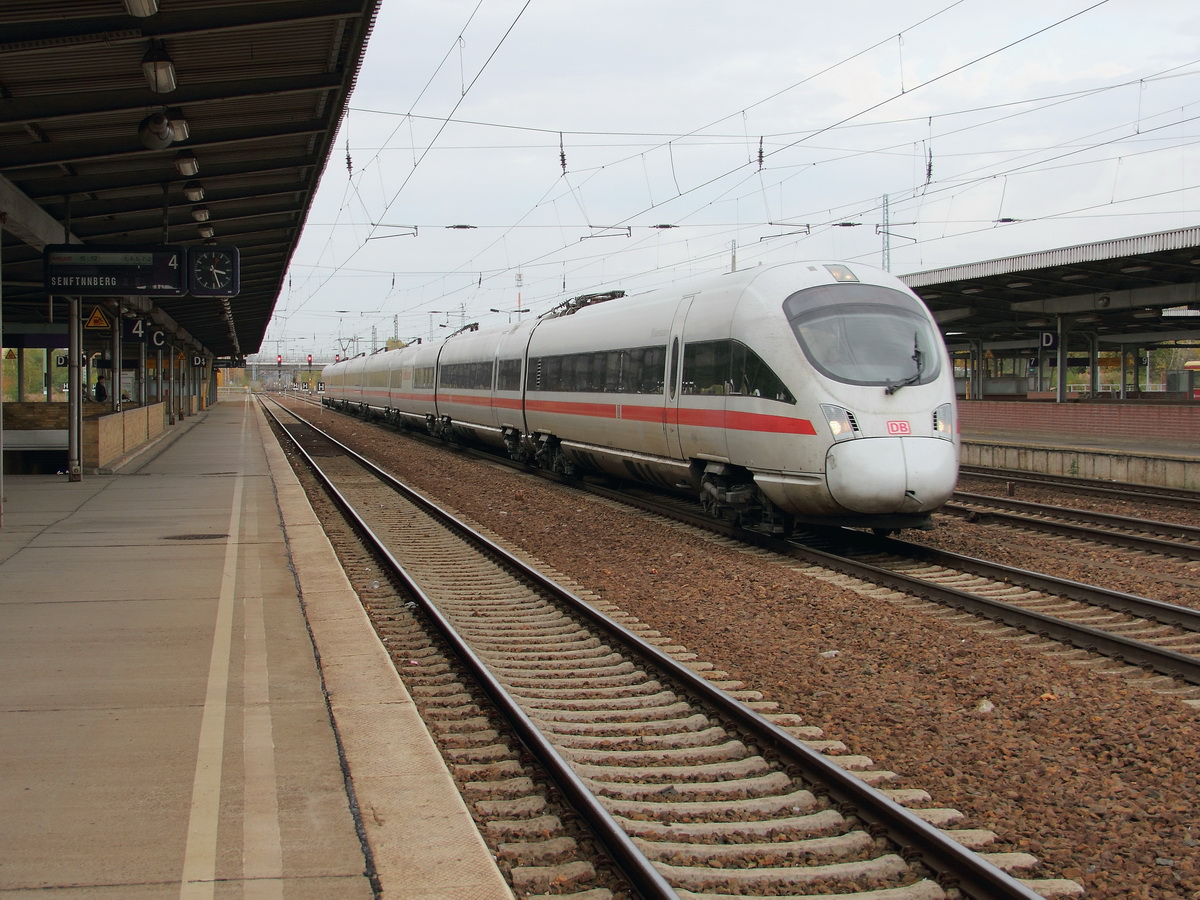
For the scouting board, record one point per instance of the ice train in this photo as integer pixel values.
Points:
(807, 392)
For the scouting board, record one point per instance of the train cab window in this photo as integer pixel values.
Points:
(865, 334)
(730, 367)
(508, 375)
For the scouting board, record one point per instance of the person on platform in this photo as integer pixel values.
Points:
(101, 389)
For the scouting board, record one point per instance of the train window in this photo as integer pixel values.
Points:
(730, 367)
(472, 376)
(508, 375)
(865, 334)
(674, 373)
(706, 367)
(638, 370)
(423, 378)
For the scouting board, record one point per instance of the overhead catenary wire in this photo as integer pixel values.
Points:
(776, 166)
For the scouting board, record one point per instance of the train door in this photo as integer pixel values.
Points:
(672, 387)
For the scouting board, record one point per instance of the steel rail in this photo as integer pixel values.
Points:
(954, 864)
(646, 879)
(1163, 529)
(1122, 489)
(1167, 662)
(1084, 532)
(1164, 613)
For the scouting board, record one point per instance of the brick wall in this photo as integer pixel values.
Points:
(1167, 421)
(106, 436)
(34, 416)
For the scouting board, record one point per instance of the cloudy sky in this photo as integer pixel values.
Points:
(567, 134)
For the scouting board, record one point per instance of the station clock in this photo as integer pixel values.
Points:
(214, 271)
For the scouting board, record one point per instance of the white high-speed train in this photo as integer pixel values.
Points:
(805, 392)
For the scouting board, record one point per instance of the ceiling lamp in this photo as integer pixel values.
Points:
(1088, 320)
(206, 231)
(194, 191)
(1129, 270)
(155, 132)
(1147, 314)
(186, 163)
(1038, 323)
(1019, 284)
(141, 8)
(179, 125)
(158, 69)
(200, 213)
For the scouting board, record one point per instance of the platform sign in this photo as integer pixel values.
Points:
(97, 270)
(97, 320)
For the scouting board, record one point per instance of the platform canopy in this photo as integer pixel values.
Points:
(143, 122)
(1140, 290)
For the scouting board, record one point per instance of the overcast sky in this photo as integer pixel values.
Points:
(567, 133)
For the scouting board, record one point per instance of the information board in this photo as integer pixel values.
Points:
(91, 270)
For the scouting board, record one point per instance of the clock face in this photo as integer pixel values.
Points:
(213, 271)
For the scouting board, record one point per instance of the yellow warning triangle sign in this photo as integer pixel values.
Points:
(97, 319)
(12, 354)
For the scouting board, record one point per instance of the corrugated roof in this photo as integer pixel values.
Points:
(262, 85)
(1181, 239)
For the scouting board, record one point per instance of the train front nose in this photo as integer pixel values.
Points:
(892, 474)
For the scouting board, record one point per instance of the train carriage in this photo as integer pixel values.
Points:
(466, 388)
(818, 392)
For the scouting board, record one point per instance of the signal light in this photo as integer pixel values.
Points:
(310, 359)
(337, 357)
(279, 360)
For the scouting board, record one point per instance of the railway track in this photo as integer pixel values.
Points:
(1111, 489)
(694, 787)
(1167, 538)
(1153, 642)
(1157, 643)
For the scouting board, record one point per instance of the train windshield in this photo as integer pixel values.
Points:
(865, 334)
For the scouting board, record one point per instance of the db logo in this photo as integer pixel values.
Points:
(899, 428)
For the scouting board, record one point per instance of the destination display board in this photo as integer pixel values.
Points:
(91, 270)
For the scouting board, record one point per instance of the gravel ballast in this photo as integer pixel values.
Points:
(1097, 777)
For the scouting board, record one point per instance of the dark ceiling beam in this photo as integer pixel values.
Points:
(44, 190)
(54, 34)
(180, 207)
(130, 148)
(135, 101)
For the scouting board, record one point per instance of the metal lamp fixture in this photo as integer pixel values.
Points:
(179, 125)
(194, 191)
(159, 69)
(141, 8)
(186, 163)
(155, 131)
(200, 213)
(206, 231)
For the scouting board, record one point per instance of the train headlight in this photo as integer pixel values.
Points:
(841, 422)
(943, 422)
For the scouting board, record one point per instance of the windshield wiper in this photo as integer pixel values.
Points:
(919, 358)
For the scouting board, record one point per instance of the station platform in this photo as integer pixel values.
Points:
(1138, 443)
(192, 701)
